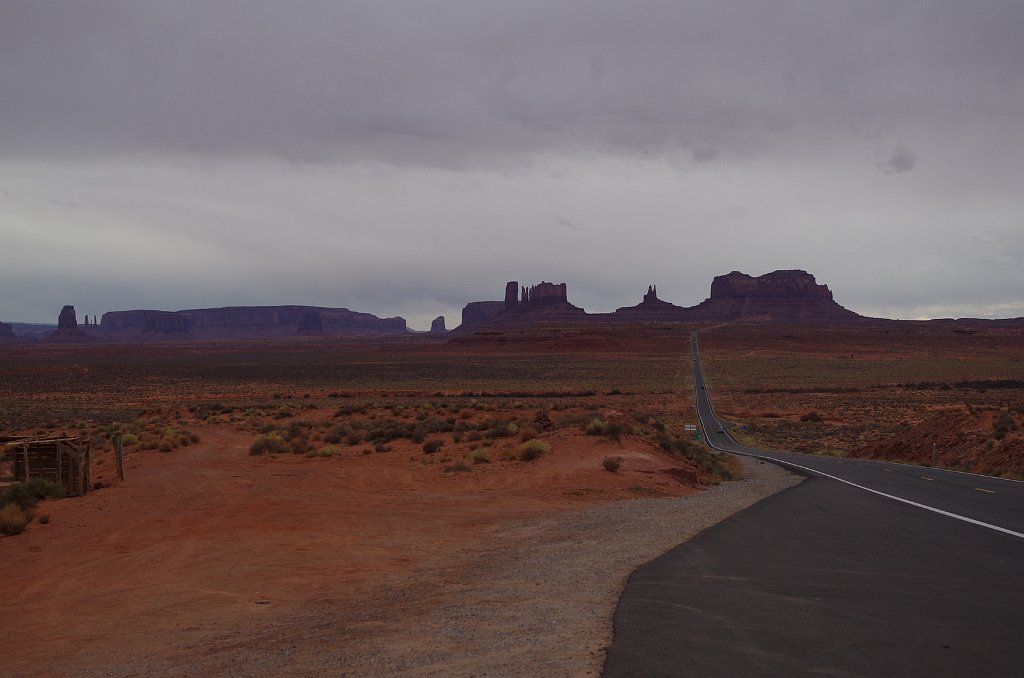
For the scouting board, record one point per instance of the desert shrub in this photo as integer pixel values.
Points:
(457, 467)
(480, 456)
(13, 519)
(129, 439)
(615, 430)
(44, 520)
(28, 493)
(269, 444)
(595, 427)
(812, 416)
(352, 409)
(433, 445)
(328, 451)
(612, 463)
(418, 435)
(381, 447)
(165, 446)
(283, 414)
(533, 449)
(300, 445)
(1003, 424)
(527, 433)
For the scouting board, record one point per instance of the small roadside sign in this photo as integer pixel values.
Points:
(691, 427)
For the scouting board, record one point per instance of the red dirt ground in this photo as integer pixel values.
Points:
(202, 545)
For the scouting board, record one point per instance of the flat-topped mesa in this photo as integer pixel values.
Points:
(6, 331)
(794, 283)
(437, 325)
(781, 296)
(244, 322)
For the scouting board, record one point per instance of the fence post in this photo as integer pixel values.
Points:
(119, 456)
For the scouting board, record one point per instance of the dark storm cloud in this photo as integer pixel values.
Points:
(457, 81)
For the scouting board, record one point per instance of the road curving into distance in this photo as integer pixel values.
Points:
(995, 503)
(864, 569)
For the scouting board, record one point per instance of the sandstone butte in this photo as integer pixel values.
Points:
(786, 296)
(780, 296)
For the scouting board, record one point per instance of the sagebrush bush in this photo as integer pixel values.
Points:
(527, 433)
(433, 445)
(812, 416)
(480, 456)
(269, 444)
(533, 449)
(28, 493)
(612, 463)
(457, 467)
(13, 519)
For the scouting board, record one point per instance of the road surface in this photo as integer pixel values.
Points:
(865, 569)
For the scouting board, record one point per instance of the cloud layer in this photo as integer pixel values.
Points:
(408, 157)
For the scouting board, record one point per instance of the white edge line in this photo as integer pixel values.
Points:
(900, 499)
(861, 487)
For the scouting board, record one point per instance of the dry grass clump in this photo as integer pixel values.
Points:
(533, 449)
(13, 519)
(269, 444)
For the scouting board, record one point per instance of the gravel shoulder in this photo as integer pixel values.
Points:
(534, 598)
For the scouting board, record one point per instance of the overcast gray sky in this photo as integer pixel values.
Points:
(403, 157)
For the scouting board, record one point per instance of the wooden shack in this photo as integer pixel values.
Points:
(64, 460)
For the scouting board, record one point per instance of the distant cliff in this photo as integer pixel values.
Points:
(240, 322)
(780, 296)
(651, 308)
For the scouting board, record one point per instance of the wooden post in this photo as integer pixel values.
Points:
(24, 459)
(86, 468)
(60, 464)
(119, 456)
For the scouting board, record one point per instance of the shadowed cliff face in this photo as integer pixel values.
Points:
(240, 322)
(781, 296)
(782, 284)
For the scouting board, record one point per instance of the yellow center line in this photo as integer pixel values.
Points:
(926, 478)
(982, 489)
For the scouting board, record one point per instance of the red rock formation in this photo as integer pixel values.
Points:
(511, 294)
(241, 322)
(780, 296)
(67, 327)
(437, 326)
(551, 298)
(311, 323)
(164, 322)
(67, 320)
(482, 313)
(6, 330)
(651, 308)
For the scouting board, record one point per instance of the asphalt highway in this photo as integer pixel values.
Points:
(864, 569)
(996, 502)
